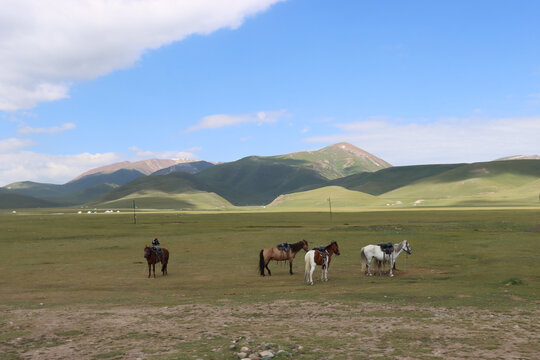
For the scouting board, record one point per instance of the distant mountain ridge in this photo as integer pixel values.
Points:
(191, 167)
(520, 157)
(146, 167)
(292, 181)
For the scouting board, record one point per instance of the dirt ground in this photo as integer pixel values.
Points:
(304, 330)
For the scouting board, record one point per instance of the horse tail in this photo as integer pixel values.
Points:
(261, 263)
(165, 261)
(307, 267)
(364, 260)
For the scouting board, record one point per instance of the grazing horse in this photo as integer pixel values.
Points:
(374, 251)
(152, 258)
(321, 257)
(273, 253)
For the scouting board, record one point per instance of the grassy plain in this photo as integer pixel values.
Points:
(72, 281)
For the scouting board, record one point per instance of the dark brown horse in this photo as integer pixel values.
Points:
(151, 257)
(273, 253)
(319, 256)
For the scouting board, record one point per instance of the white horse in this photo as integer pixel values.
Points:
(317, 257)
(374, 251)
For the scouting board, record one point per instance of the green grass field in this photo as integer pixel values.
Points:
(464, 262)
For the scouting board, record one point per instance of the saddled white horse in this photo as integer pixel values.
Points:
(374, 251)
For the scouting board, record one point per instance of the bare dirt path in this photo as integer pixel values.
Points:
(303, 330)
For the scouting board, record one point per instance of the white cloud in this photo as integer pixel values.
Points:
(184, 155)
(45, 46)
(223, 120)
(49, 130)
(14, 144)
(442, 141)
(57, 169)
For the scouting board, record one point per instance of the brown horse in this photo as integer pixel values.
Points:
(319, 256)
(151, 257)
(273, 253)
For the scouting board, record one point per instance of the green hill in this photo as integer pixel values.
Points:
(494, 183)
(337, 161)
(17, 201)
(258, 180)
(385, 180)
(322, 198)
(162, 200)
(249, 181)
(75, 192)
(174, 191)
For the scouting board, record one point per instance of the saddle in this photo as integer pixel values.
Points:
(158, 251)
(387, 248)
(284, 246)
(323, 250)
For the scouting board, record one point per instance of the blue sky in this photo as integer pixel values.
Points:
(85, 84)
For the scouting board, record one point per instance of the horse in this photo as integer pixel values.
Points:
(317, 257)
(273, 253)
(152, 258)
(374, 251)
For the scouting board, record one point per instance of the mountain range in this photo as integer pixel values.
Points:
(341, 174)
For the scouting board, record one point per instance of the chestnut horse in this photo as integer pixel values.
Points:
(273, 253)
(317, 257)
(152, 258)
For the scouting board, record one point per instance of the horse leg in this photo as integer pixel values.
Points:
(154, 268)
(149, 270)
(311, 273)
(368, 266)
(266, 266)
(290, 267)
(392, 261)
(164, 268)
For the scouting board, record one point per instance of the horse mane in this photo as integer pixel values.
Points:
(297, 246)
(332, 243)
(399, 246)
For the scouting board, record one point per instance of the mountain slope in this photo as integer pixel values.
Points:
(18, 201)
(385, 180)
(496, 182)
(188, 167)
(145, 167)
(337, 160)
(78, 191)
(177, 190)
(258, 180)
(322, 198)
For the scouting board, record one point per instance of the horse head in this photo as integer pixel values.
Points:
(335, 247)
(147, 252)
(407, 247)
(305, 245)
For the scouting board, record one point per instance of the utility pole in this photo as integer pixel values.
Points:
(134, 216)
(330, 205)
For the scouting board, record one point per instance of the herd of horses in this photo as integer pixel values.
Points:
(320, 256)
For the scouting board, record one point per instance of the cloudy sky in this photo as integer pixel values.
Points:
(91, 82)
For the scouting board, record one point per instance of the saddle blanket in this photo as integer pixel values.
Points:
(284, 247)
(387, 248)
(158, 251)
